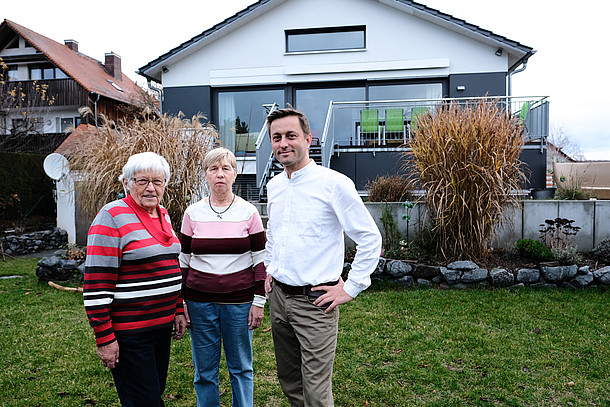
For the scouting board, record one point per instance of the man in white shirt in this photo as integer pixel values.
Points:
(309, 208)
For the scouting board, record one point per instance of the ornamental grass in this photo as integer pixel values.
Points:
(183, 142)
(466, 159)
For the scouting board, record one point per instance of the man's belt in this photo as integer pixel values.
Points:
(302, 289)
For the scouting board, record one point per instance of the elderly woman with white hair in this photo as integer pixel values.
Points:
(133, 281)
(223, 247)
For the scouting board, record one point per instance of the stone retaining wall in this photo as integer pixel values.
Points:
(34, 242)
(464, 274)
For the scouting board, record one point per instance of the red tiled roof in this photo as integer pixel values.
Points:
(88, 72)
(80, 135)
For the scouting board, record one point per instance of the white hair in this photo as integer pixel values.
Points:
(142, 162)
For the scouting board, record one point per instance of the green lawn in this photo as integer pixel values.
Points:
(397, 347)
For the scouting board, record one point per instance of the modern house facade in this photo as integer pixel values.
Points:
(32, 62)
(362, 70)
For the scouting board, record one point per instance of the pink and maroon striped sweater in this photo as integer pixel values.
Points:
(222, 257)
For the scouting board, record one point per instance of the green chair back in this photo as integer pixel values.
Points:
(524, 111)
(369, 121)
(415, 113)
(394, 120)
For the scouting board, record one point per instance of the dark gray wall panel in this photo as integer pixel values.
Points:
(189, 100)
(478, 84)
(364, 167)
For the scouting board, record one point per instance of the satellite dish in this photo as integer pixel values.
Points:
(56, 166)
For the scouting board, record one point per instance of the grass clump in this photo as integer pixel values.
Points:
(183, 142)
(390, 189)
(467, 159)
(396, 347)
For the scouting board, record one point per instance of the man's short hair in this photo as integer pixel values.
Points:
(286, 112)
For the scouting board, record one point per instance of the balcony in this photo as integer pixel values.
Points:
(382, 126)
(389, 124)
(32, 143)
(65, 92)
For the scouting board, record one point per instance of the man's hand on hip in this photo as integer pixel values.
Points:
(335, 295)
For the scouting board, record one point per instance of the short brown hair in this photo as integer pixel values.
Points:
(286, 112)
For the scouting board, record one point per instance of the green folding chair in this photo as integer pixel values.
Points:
(369, 125)
(394, 125)
(523, 117)
(415, 113)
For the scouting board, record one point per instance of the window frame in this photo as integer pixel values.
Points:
(324, 30)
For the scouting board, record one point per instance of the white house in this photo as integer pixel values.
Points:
(378, 61)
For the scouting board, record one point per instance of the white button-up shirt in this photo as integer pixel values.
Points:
(308, 214)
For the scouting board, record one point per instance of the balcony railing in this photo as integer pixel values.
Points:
(32, 143)
(63, 92)
(390, 123)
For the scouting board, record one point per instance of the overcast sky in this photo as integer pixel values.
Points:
(569, 66)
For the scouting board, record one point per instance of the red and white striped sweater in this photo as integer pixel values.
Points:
(132, 277)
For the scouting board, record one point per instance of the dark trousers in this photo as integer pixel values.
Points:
(141, 373)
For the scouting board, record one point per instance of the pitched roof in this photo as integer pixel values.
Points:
(80, 135)
(88, 72)
(522, 52)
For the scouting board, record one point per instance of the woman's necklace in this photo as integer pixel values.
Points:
(219, 214)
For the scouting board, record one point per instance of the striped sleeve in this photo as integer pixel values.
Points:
(257, 246)
(101, 274)
(186, 237)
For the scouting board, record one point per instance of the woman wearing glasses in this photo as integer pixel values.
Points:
(223, 245)
(133, 281)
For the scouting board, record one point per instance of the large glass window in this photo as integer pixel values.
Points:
(13, 73)
(326, 39)
(406, 91)
(314, 103)
(241, 115)
(45, 71)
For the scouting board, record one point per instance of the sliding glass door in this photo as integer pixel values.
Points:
(241, 115)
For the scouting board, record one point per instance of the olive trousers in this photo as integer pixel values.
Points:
(305, 340)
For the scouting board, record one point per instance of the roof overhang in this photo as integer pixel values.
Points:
(517, 53)
(154, 69)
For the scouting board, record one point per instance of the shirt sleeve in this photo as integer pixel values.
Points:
(101, 274)
(358, 224)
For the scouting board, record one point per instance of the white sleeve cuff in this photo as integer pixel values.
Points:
(259, 301)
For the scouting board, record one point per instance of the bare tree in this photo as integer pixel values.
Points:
(23, 106)
(564, 145)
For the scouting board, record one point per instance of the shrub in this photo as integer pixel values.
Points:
(571, 190)
(466, 157)
(390, 189)
(74, 252)
(534, 249)
(558, 232)
(390, 228)
(567, 255)
(601, 252)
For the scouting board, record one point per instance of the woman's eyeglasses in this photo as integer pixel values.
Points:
(145, 181)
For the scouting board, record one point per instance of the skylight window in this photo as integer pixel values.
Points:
(117, 87)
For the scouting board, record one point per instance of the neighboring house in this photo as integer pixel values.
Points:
(71, 78)
(362, 70)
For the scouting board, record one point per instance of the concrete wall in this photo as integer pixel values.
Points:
(523, 222)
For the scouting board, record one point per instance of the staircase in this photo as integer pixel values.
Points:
(315, 153)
